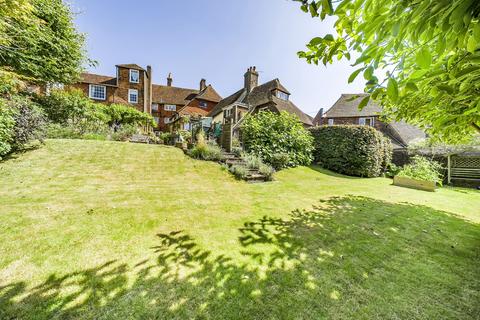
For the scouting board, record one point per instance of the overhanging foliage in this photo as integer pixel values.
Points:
(428, 49)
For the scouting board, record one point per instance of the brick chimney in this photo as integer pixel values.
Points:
(148, 91)
(203, 84)
(251, 79)
(169, 79)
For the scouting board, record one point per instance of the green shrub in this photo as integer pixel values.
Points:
(267, 134)
(239, 171)
(29, 122)
(124, 133)
(206, 152)
(392, 170)
(166, 137)
(120, 114)
(60, 131)
(75, 109)
(353, 150)
(21, 121)
(237, 151)
(7, 123)
(421, 168)
(267, 171)
(252, 161)
(280, 160)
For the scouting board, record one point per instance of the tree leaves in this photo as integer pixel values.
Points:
(354, 75)
(392, 89)
(423, 58)
(428, 50)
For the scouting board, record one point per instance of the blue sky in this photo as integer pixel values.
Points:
(216, 40)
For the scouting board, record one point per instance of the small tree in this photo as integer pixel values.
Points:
(272, 136)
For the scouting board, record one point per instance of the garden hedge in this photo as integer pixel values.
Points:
(352, 150)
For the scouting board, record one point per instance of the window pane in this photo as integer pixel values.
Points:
(134, 76)
(132, 96)
(98, 92)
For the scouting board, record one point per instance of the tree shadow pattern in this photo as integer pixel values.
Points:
(349, 257)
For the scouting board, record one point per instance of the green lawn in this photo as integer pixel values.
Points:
(107, 230)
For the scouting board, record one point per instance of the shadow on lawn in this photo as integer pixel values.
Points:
(348, 257)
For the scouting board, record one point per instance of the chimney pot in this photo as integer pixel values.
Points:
(251, 79)
(203, 84)
(169, 79)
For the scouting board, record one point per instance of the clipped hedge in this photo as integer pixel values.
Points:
(352, 150)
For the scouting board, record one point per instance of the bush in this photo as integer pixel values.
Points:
(392, 170)
(208, 152)
(29, 122)
(280, 160)
(353, 150)
(267, 134)
(21, 121)
(421, 168)
(252, 161)
(267, 171)
(124, 133)
(72, 108)
(240, 172)
(7, 123)
(120, 115)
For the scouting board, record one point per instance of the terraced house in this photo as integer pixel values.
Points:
(133, 85)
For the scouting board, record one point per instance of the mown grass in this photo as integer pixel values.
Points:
(110, 230)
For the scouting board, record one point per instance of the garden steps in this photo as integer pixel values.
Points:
(253, 175)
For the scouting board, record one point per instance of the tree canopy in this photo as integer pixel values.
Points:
(39, 41)
(420, 58)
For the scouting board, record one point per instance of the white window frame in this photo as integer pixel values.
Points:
(130, 92)
(331, 122)
(282, 95)
(203, 104)
(363, 121)
(91, 91)
(170, 107)
(228, 112)
(132, 71)
(155, 107)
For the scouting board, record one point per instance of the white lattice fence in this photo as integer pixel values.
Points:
(463, 167)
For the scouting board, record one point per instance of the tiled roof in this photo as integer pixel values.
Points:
(261, 95)
(172, 95)
(130, 66)
(290, 107)
(209, 94)
(225, 102)
(405, 133)
(347, 106)
(316, 121)
(98, 79)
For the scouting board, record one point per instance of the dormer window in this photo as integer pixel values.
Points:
(203, 104)
(281, 95)
(134, 76)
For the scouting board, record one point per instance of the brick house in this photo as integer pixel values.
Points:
(177, 104)
(133, 86)
(272, 96)
(346, 112)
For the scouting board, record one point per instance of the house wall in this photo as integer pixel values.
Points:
(111, 92)
(119, 94)
(162, 114)
(379, 125)
(124, 84)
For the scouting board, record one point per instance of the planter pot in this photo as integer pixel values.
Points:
(414, 184)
